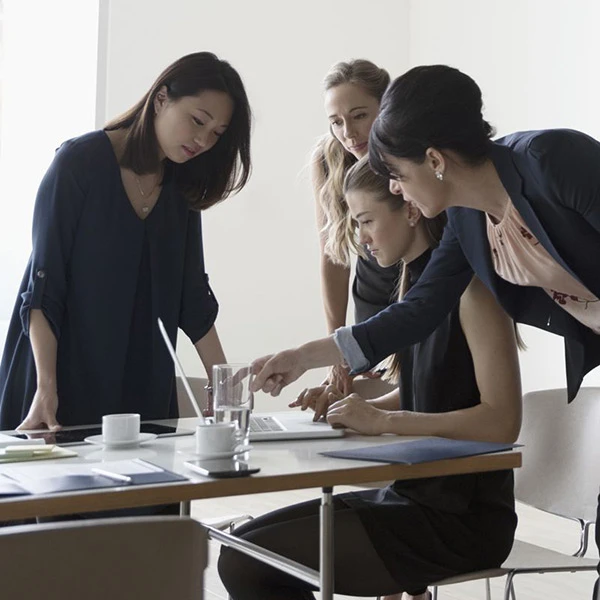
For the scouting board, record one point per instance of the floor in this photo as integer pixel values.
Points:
(534, 526)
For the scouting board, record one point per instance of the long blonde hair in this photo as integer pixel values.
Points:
(361, 178)
(335, 160)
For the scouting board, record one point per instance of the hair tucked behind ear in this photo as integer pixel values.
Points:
(430, 107)
(361, 177)
(335, 160)
(211, 176)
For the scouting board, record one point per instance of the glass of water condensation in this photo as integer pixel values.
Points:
(232, 398)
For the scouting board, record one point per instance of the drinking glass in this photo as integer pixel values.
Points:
(232, 399)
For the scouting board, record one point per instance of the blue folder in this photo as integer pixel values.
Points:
(420, 451)
(71, 482)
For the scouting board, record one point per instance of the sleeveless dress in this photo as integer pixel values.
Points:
(373, 288)
(429, 529)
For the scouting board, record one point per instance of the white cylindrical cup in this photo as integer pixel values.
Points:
(120, 428)
(216, 439)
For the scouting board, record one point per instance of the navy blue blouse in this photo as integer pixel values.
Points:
(102, 276)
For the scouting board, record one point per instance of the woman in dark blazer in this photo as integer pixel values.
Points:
(523, 215)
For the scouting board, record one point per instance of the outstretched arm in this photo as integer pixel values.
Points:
(490, 335)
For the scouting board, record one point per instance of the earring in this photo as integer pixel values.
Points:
(439, 175)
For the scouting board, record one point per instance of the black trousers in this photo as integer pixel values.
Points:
(293, 532)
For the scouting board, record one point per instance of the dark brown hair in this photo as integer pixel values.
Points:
(213, 175)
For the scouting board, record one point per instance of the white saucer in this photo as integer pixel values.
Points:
(228, 454)
(99, 441)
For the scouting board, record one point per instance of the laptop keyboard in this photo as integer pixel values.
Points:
(264, 424)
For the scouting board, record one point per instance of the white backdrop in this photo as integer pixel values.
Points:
(536, 62)
(261, 246)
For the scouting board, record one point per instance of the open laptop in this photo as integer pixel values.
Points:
(283, 425)
(289, 425)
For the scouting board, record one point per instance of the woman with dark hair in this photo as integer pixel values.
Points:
(117, 243)
(523, 215)
(461, 382)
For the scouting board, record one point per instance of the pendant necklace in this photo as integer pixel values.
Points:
(145, 207)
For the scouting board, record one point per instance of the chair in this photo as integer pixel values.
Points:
(559, 476)
(151, 558)
(185, 406)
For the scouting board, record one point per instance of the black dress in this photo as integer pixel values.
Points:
(374, 288)
(429, 529)
(102, 276)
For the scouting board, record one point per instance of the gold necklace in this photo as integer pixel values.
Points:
(145, 207)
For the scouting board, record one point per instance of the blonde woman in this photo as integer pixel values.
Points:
(353, 91)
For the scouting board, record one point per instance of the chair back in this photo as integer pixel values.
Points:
(561, 453)
(185, 406)
(151, 558)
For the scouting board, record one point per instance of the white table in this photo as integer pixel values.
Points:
(284, 466)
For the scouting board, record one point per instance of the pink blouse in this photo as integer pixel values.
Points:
(520, 259)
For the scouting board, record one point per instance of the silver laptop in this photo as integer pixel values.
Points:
(285, 425)
(289, 425)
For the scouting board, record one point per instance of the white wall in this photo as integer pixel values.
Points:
(260, 246)
(537, 63)
(48, 96)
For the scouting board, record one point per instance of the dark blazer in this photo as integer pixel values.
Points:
(553, 179)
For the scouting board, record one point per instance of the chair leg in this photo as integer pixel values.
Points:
(434, 592)
(584, 538)
(234, 522)
(509, 588)
(488, 590)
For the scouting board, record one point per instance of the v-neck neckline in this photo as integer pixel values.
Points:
(122, 184)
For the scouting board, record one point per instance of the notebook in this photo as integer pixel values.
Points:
(420, 451)
(284, 425)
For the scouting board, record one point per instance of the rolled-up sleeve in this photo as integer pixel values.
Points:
(57, 209)
(348, 346)
(199, 307)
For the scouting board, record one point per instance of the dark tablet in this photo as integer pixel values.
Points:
(70, 437)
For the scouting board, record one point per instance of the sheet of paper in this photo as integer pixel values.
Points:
(30, 472)
(56, 453)
(11, 440)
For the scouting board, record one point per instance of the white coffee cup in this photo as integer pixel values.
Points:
(120, 428)
(216, 439)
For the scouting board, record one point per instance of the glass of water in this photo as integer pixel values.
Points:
(232, 399)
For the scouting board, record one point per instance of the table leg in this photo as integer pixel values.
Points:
(326, 555)
(185, 508)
